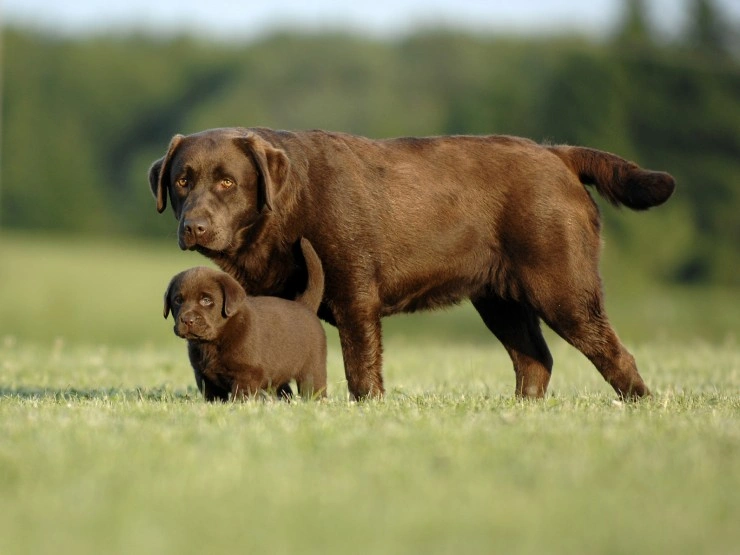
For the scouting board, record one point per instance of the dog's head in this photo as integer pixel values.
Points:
(201, 301)
(220, 182)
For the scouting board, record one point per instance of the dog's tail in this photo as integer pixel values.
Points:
(314, 292)
(617, 180)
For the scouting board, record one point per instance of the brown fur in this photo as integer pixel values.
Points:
(414, 223)
(241, 345)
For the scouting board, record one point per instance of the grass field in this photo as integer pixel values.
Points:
(106, 447)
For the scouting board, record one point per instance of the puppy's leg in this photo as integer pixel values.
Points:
(249, 382)
(517, 326)
(245, 387)
(312, 379)
(360, 335)
(200, 359)
(284, 392)
(308, 388)
(211, 392)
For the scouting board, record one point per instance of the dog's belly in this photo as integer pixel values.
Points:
(424, 296)
(436, 277)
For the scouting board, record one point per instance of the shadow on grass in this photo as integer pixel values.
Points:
(155, 394)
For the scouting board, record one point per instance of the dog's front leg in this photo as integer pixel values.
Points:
(200, 359)
(360, 334)
(212, 392)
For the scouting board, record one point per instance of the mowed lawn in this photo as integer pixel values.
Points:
(106, 447)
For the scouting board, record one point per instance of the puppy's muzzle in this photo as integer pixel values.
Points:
(189, 325)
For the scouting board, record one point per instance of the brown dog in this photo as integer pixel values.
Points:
(240, 345)
(414, 223)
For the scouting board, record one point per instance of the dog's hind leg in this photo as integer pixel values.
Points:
(567, 294)
(312, 385)
(517, 326)
(580, 319)
(312, 380)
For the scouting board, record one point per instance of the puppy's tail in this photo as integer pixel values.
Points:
(314, 292)
(617, 180)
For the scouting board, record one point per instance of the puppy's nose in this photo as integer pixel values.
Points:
(195, 227)
(187, 319)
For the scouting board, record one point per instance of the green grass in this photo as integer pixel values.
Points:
(112, 450)
(106, 447)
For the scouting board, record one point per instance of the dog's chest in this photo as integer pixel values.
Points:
(263, 272)
(206, 359)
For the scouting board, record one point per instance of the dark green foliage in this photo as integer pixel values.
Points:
(83, 118)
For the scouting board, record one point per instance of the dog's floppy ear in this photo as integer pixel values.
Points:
(272, 164)
(158, 170)
(167, 294)
(167, 305)
(232, 294)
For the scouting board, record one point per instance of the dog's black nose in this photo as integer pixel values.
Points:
(196, 227)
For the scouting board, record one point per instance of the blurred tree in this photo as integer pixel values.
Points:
(708, 31)
(635, 30)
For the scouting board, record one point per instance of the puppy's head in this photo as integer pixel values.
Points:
(201, 301)
(220, 182)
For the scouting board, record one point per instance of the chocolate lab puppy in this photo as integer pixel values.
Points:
(241, 345)
(415, 223)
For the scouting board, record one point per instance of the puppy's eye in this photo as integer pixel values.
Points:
(177, 300)
(206, 301)
(226, 183)
(182, 182)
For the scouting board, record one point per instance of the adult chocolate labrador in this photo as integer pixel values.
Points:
(414, 223)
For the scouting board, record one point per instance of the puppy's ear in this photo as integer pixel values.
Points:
(232, 294)
(167, 305)
(272, 164)
(157, 172)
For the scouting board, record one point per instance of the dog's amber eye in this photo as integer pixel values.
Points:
(206, 301)
(227, 183)
(182, 182)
